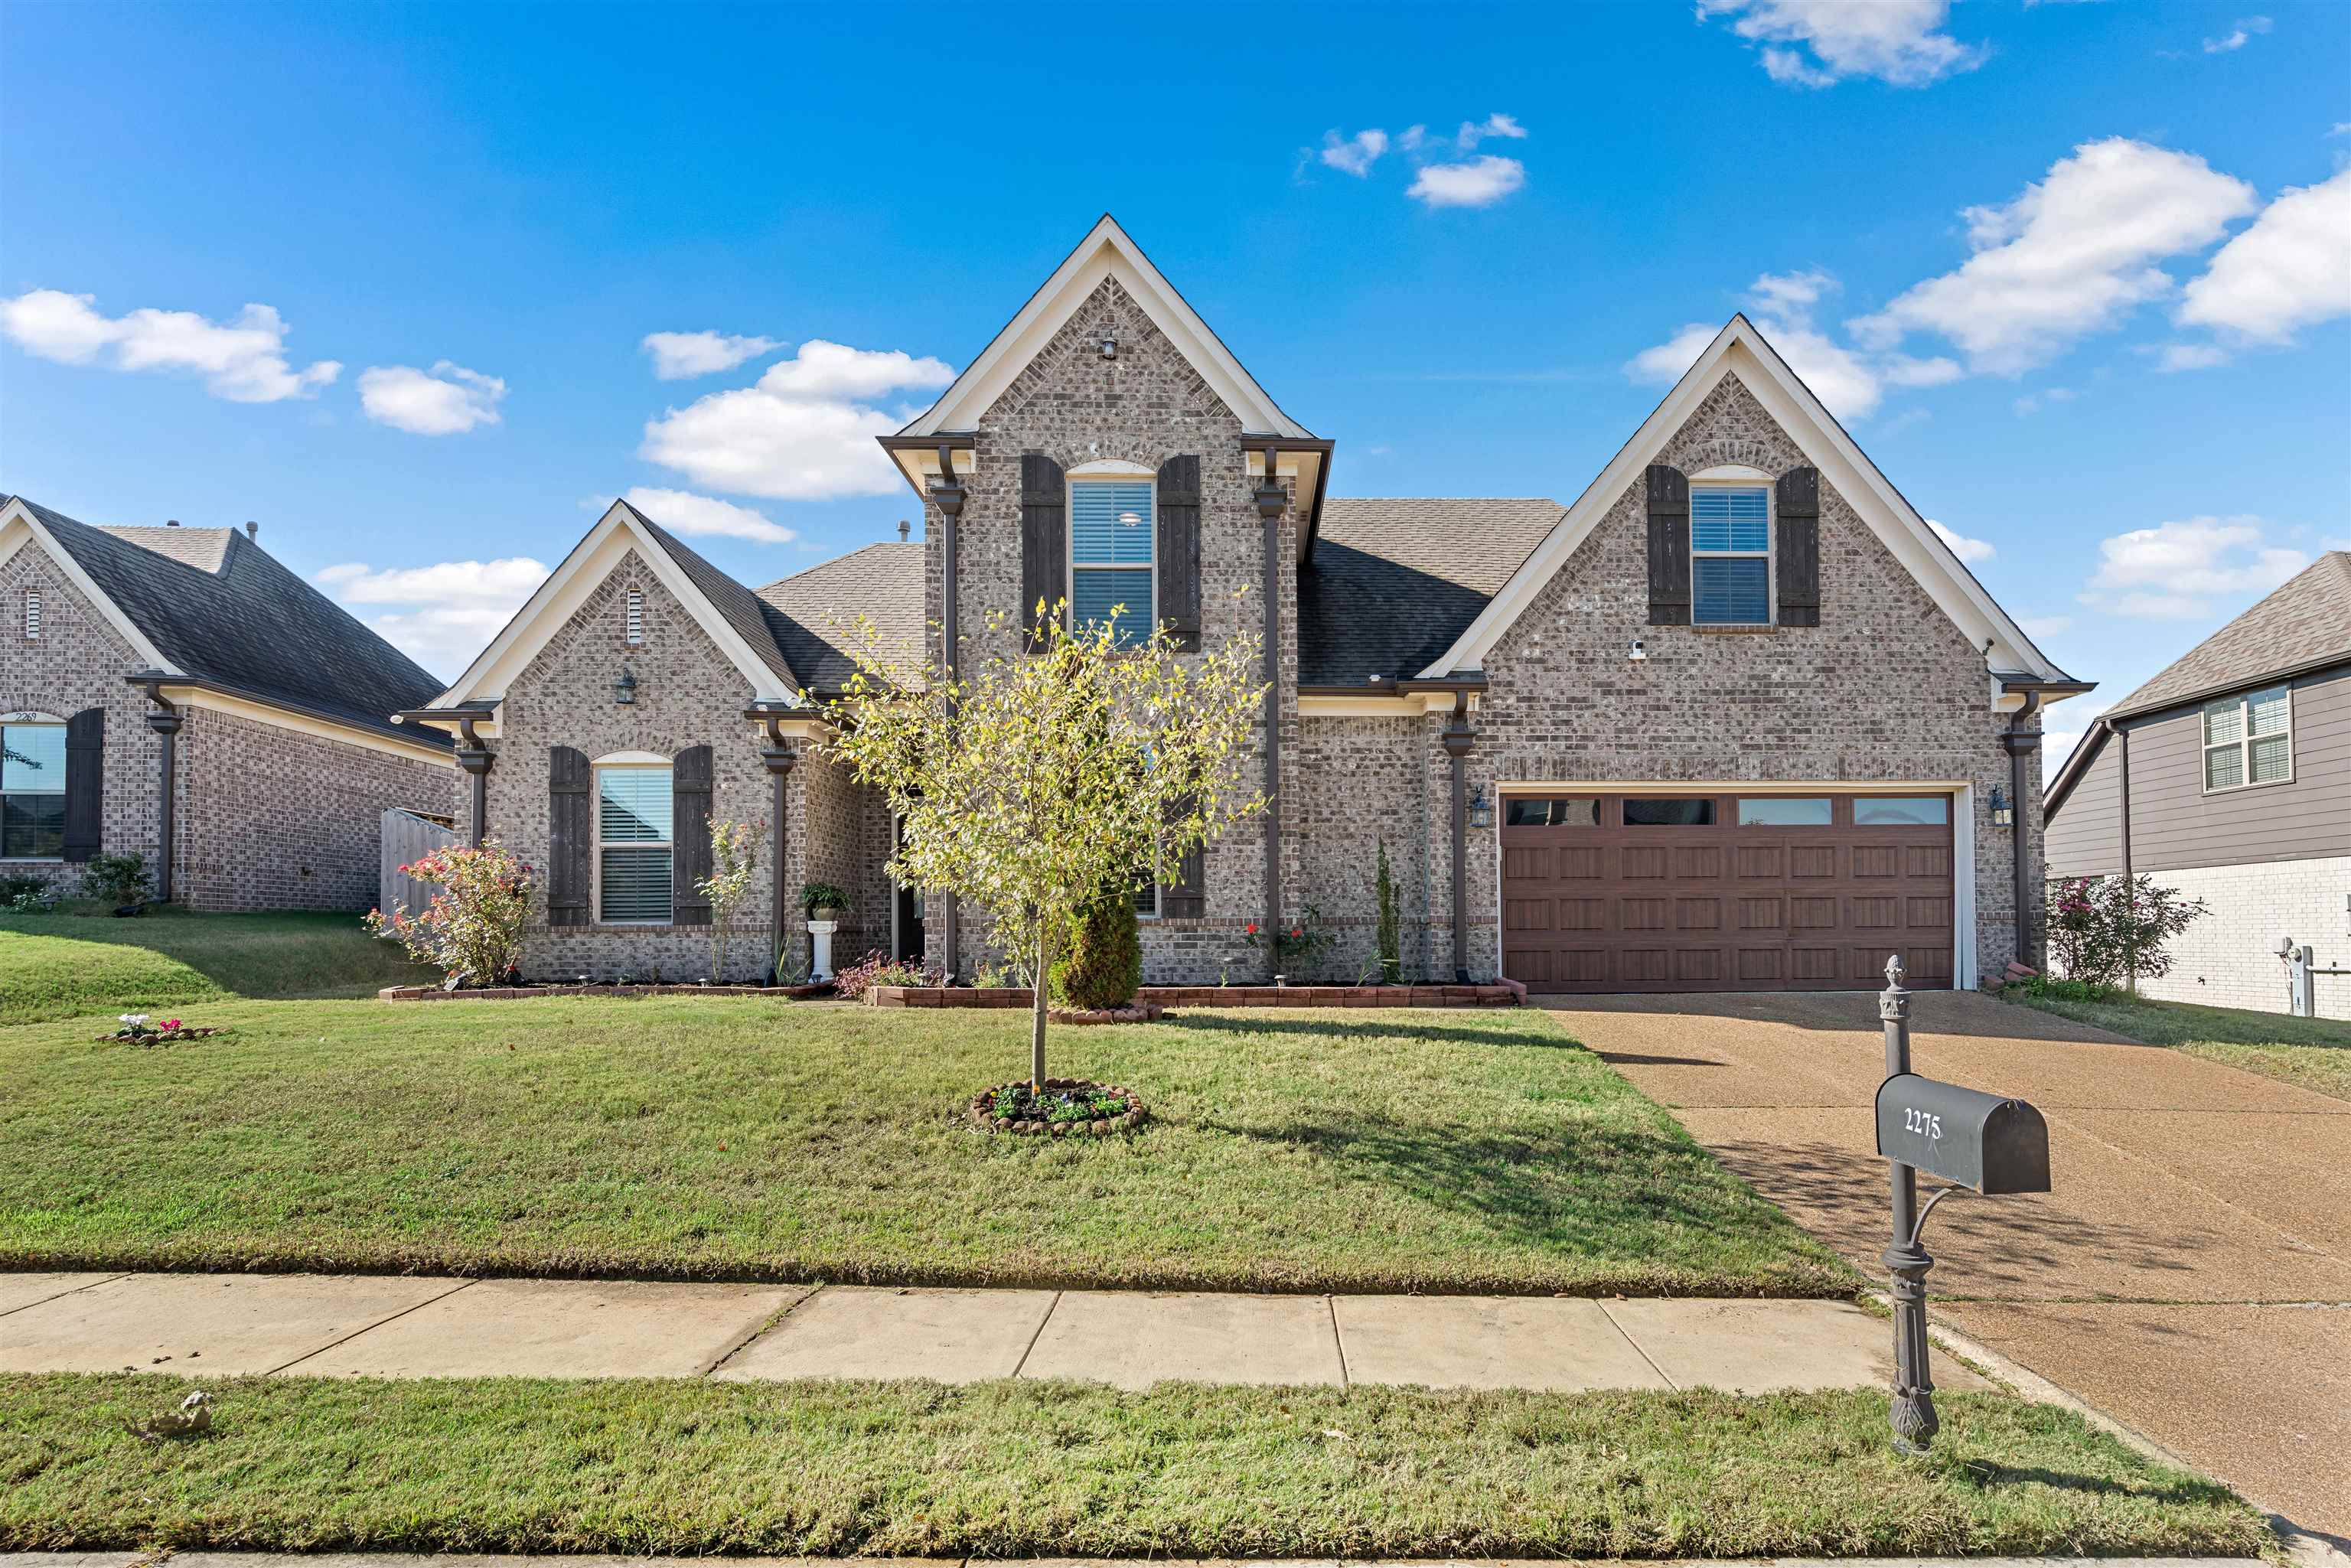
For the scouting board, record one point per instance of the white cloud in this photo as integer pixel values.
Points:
(1357, 153)
(2172, 572)
(2291, 269)
(2032, 402)
(2038, 626)
(242, 361)
(2190, 357)
(2068, 256)
(2237, 36)
(1665, 362)
(439, 616)
(678, 355)
(2057, 745)
(1850, 383)
(1896, 41)
(1478, 182)
(447, 400)
(1505, 126)
(684, 512)
(805, 431)
(1965, 549)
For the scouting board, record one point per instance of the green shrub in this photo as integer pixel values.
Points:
(2106, 930)
(1105, 958)
(1391, 931)
(116, 879)
(12, 887)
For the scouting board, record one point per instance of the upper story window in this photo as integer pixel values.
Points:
(32, 791)
(32, 613)
(632, 619)
(2248, 739)
(1730, 555)
(1111, 564)
(633, 846)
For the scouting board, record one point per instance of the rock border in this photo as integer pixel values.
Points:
(525, 993)
(982, 1115)
(1136, 1013)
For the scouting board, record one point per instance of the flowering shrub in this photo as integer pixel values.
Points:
(878, 969)
(2102, 929)
(472, 931)
(135, 1030)
(734, 856)
(1296, 947)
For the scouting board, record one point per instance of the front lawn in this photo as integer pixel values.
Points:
(1011, 1469)
(2314, 1054)
(58, 965)
(739, 1138)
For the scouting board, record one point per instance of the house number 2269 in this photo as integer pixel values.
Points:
(1922, 1122)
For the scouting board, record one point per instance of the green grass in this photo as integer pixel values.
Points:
(2314, 1054)
(1008, 1469)
(60, 965)
(739, 1138)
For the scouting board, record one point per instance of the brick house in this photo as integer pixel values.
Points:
(179, 694)
(1735, 718)
(2228, 778)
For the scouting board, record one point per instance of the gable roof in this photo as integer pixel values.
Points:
(1395, 583)
(211, 605)
(818, 609)
(1741, 348)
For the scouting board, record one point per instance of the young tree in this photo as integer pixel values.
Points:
(1069, 766)
(1390, 932)
(734, 853)
(2104, 931)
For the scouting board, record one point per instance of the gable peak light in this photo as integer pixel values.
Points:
(1639, 655)
(1109, 344)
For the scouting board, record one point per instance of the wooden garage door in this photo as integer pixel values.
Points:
(1724, 892)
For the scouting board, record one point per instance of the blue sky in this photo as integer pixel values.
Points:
(382, 278)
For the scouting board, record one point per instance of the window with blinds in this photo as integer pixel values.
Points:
(1731, 555)
(2248, 739)
(32, 791)
(1111, 534)
(634, 847)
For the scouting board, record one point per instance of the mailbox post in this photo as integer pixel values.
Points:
(1973, 1140)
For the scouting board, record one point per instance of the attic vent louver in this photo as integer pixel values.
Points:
(633, 632)
(32, 613)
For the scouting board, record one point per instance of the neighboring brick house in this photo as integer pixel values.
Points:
(140, 660)
(2228, 778)
(1735, 719)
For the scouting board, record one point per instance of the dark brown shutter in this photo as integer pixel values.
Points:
(85, 782)
(689, 860)
(1669, 546)
(1044, 538)
(571, 835)
(1797, 547)
(1185, 895)
(1180, 549)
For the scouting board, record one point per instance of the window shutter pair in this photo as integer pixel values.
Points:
(1796, 547)
(1045, 544)
(85, 782)
(1186, 897)
(571, 835)
(689, 835)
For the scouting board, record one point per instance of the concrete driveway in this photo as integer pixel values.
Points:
(2191, 1272)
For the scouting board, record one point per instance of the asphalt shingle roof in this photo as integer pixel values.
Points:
(221, 608)
(2305, 622)
(819, 608)
(743, 609)
(1394, 583)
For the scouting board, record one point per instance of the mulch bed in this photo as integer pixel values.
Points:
(1069, 1108)
(150, 1037)
(522, 993)
(1498, 995)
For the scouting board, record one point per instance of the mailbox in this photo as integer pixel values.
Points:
(1963, 1135)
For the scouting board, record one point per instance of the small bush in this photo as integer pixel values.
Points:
(1106, 960)
(878, 969)
(472, 931)
(2105, 929)
(27, 894)
(118, 879)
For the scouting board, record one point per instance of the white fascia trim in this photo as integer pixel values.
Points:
(797, 728)
(17, 517)
(1739, 347)
(1106, 252)
(303, 724)
(1412, 705)
(571, 584)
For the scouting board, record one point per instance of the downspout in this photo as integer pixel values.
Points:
(778, 759)
(1459, 738)
(2021, 743)
(475, 758)
(165, 720)
(949, 496)
(2130, 891)
(1271, 501)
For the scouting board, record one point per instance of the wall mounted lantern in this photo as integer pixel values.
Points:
(2002, 813)
(624, 690)
(1482, 810)
(1109, 346)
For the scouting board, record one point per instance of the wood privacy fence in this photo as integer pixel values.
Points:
(407, 837)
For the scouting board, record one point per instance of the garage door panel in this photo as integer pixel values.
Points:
(1590, 905)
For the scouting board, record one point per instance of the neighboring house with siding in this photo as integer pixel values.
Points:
(1735, 718)
(2228, 776)
(180, 693)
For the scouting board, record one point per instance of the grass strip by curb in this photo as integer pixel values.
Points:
(1006, 1469)
(2309, 1053)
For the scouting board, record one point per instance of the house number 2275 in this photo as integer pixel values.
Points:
(1922, 1122)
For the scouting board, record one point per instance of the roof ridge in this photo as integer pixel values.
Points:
(837, 559)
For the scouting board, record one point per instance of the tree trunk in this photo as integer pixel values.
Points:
(1036, 1009)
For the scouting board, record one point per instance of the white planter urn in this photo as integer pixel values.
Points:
(821, 954)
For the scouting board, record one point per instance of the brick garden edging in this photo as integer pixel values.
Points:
(524, 993)
(1501, 995)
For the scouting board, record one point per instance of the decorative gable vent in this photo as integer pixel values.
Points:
(32, 613)
(633, 632)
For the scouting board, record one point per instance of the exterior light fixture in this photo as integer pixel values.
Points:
(2002, 813)
(1482, 810)
(1109, 346)
(624, 690)
(1638, 654)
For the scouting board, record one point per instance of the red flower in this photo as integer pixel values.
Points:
(1252, 929)
(1296, 931)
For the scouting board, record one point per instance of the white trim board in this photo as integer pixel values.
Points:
(571, 584)
(1739, 348)
(256, 711)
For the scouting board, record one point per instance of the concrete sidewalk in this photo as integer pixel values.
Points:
(374, 1326)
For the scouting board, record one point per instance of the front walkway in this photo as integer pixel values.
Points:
(2190, 1274)
(374, 1326)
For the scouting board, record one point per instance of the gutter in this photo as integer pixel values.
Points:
(959, 441)
(1321, 446)
(151, 679)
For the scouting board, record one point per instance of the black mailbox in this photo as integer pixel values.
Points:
(1963, 1135)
